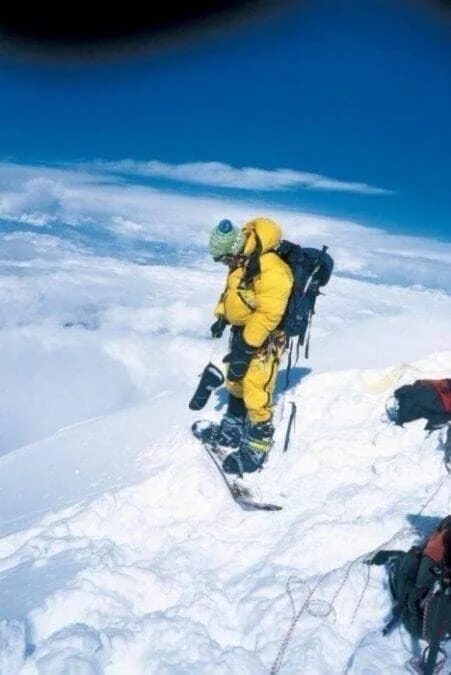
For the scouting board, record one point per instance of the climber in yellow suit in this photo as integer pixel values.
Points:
(253, 303)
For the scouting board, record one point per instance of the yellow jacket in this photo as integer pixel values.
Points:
(259, 304)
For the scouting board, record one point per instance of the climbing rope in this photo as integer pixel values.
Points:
(308, 606)
(367, 557)
(400, 534)
(276, 666)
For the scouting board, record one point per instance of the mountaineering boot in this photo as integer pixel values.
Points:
(228, 433)
(230, 430)
(253, 451)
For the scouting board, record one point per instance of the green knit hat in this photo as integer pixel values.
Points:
(225, 240)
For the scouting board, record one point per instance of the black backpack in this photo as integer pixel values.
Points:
(311, 269)
(423, 604)
(428, 399)
(422, 595)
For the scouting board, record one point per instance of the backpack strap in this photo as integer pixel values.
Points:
(429, 659)
(403, 575)
(309, 286)
(434, 622)
(288, 370)
(307, 333)
(252, 266)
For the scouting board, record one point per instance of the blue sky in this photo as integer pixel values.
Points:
(359, 92)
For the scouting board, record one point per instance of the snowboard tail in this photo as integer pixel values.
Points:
(237, 487)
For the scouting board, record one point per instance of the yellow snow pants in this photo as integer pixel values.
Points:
(257, 386)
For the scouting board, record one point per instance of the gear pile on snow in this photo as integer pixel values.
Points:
(420, 585)
(428, 399)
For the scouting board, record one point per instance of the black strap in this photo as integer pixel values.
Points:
(288, 371)
(396, 616)
(252, 266)
(432, 651)
(309, 326)
(290, 363)
(413, 559)
(298, 347)
(317, 292)
(430, 655)
(315, 269)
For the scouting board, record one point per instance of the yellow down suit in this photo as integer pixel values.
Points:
(257, 306)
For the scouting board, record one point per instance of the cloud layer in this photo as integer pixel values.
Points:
(246, 178)
(108, 215)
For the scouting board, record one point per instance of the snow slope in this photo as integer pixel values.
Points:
(121, 551)
(167, 575)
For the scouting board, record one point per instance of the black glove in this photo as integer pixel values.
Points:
(217, 328)
(239, 358)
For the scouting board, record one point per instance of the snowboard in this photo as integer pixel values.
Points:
(238, 488)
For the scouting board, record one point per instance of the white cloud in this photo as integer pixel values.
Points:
(141, 216)
(246, 178)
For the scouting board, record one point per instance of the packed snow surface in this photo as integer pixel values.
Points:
(121, 550)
